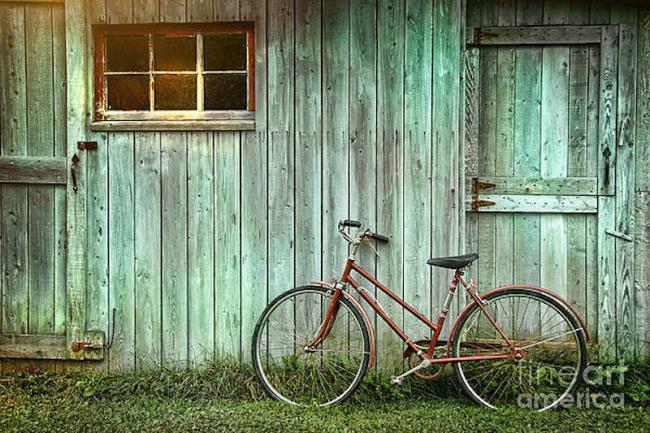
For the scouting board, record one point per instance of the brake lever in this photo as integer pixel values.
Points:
(372, 247)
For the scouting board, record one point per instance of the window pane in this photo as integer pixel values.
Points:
(127, 53)
(224, 52)
(174, 53)
(128, 92)
(175, 92)
(225, 91)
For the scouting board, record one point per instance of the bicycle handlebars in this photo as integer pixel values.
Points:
(366, 234)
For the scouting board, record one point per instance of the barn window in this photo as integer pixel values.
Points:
(174, 76)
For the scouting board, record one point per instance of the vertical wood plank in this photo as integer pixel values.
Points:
(40, 141)
(505, 126)
(254, 172)
(487, 149)
(417, 167)
(173, 155)
(363, 121)
(281, 150)
(121, 228)
(200, 209)
(13, 256)
(98, 316)
(335, 170)
(308, 148)
(59, 96)
(577, 162)
(626, 15)
(390, 166)
(642, 203)
(227, 267)
(554, 152)
(606, 204)
(446, 123)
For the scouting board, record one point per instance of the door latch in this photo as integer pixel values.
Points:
(73, 172)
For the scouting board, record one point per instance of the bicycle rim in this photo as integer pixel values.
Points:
(324, 375)
(553, 342)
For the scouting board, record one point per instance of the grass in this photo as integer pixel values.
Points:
(226, 397)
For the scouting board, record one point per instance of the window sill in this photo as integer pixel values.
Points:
(174, 125)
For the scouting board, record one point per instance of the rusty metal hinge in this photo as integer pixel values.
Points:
(78, 346)
(480, 35)
(87, 145)
(477, 203)
(478, 185)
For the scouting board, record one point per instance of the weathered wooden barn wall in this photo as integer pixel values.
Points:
(192, 233)
(359, 113)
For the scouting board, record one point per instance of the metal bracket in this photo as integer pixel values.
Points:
(619, 235)
(476, 203)
(87, 145)
(480, 35)
(478, 185)
(78, 346)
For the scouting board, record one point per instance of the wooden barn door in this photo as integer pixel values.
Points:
(541, 142)
(42, 202)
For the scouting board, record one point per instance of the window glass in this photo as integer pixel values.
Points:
(225, 91)
(226, 52)
(128, 92)
(127, 53)
(174, 53)
(175, 92)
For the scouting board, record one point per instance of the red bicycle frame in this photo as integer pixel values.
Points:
(348, 280)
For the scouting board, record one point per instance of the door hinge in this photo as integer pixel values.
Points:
(480, 35)
(78, 346)
(479, 185)
(477, 203)
(87, 145)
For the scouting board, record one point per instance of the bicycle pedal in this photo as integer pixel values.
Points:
(395, 380)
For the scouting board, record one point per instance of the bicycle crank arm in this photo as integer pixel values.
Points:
(398, 380)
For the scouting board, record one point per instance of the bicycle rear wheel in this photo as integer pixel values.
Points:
(324, 375)
(552, 343)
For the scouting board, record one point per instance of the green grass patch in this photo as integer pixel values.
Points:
(227, 397)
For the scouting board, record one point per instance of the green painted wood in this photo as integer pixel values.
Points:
(554, 152)
(147, 250)
(121, 174)
(281, 148)
(446, 73)
(13, 232)
(175, 321)
(98, 314)
(254, 267)
(487, 149)
(77, 265)
(390, 148)
(606, 204)
(200, 251)
(335, 169)
(577, 162)
(59, 95)
(505, 128)
(33, 169)
(308, 148)
(625, 179)
(227, 247)
(417, 162)
(363, 120)
(173, 159)
(642, 202)
(40, 142)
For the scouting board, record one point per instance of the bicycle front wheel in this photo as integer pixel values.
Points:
(548, 338)
(323, 375)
